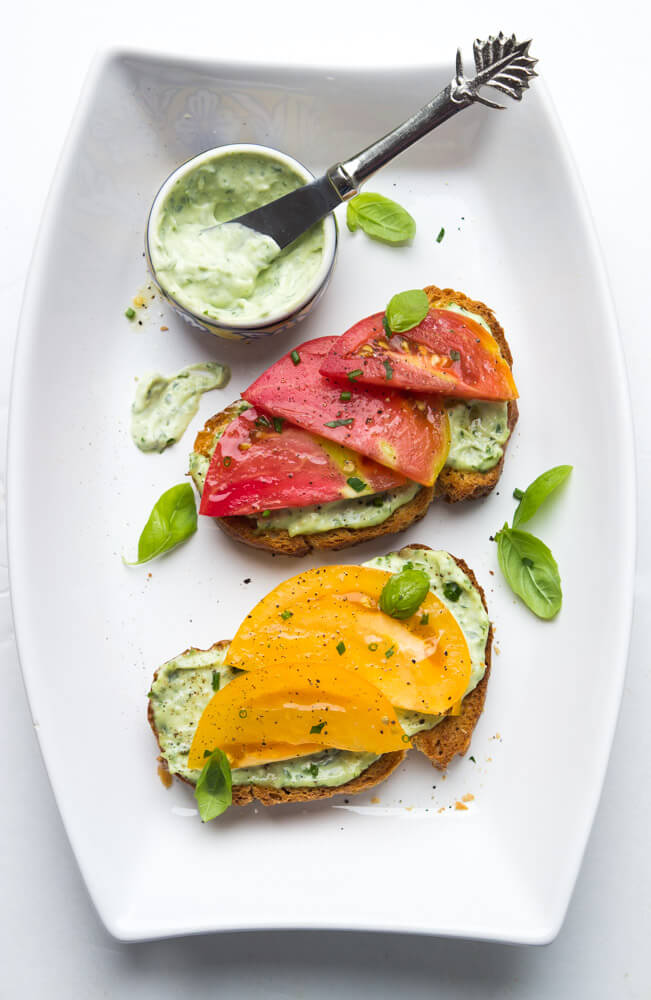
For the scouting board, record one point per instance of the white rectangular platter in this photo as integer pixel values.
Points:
(91, 631)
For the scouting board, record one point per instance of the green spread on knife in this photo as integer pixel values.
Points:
(229, 272)
(185, 685)
(163, 407)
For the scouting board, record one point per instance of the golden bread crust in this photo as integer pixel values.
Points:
(453, 735)
(282, 543)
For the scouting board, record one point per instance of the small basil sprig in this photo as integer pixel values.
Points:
(406, 310)
(528, 566)
(404, 592)
(530, 571)
(380, 218)
(538, 491)
(172, 520)
(214, 789)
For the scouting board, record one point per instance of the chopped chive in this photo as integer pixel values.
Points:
(388, 371)
(452, 590)
(296, 358)
(455, 355)
(226, 461)
(262, 421)
(345, 396)
(424, 619)
(341, 648)
(356, 484)
(317, 728)
(242, 713)
(390, 651)
(339, 423)
(266, 513)
(372, 646)
(130, 313)
(286, 614)
(355, 374)
(440, 235)
(278, 424)
(518, 494)
(216, 680)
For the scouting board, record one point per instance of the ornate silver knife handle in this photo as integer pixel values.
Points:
(500, 62)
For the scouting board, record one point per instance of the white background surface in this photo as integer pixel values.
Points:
(51, 941)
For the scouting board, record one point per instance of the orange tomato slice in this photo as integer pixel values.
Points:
(331, 617)
(304, 706)
(251, 755)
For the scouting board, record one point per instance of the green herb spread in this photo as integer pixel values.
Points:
(185, 685)
(478, 433)
(358, 513)
(163, 407)
(478, 430)
(228, 272)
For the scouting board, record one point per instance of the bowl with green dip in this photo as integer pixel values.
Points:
(224, 277)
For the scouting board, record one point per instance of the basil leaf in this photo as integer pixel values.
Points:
(530, 570)
(406, 310)
(404, 592)
(214, 789)
(380, 218)
(538, 491)
(172, 520)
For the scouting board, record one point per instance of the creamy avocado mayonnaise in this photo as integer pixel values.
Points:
(478, 432)
(185, 685)
(163, 407)
(222, 270)
(361, 512)
(478, 429)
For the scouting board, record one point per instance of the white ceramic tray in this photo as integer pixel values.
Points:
(91, 631)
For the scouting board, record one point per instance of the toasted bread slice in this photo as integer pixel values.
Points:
(281, 542)
(242, 794)
(454, 484)
(449, 738)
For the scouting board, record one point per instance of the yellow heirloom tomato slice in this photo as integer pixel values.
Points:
(251, 755)
(331, 616)
(304, 706)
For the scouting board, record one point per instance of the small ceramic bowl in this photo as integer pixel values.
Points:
(273, 323)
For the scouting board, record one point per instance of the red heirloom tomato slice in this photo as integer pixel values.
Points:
(261, 463)
(409, 434)
(446, 353)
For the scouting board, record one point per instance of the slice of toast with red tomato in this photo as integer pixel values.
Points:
(301, 439)
(270, 465)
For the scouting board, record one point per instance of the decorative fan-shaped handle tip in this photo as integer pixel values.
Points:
(500, 62)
